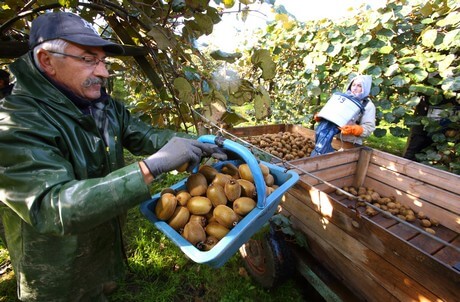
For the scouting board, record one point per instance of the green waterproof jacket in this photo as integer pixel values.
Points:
(64, 189)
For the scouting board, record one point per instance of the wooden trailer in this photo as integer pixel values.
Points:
(248, 132)
(376, 256)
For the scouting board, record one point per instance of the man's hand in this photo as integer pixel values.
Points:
(179, 151)
(355, 130)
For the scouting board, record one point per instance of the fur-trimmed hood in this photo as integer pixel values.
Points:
(366, 81)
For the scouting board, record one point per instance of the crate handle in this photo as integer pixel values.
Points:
(248, 157)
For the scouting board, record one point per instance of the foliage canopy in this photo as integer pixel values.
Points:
(410, 47)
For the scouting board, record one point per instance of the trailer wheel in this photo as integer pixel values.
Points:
(268, 259)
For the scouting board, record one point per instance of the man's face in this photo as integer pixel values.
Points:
(356, 87)
(78, 76)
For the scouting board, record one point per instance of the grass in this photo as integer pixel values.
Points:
(388, 143)
(161, 272)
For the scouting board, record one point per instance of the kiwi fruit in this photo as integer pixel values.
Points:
(232, 190)
(209, 172)
(179, 218)
(202, 220)
(265, 170)
(196, 184)
(221, 179)
(245, 172)
(216, 194)
(230, 169)
(209, 243)
(243, 205)
(199, 205)
(216, 230)
(166, 205)
(183, 197)
(248, 189)
(225, 216)
(194, 233)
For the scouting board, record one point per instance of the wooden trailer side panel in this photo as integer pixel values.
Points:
(356, 264)
(412, 262)
(438, 178)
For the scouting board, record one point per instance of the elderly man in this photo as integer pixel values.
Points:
(63, 181)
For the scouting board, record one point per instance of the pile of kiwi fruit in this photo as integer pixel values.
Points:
(285, 145)
(390, 206)
(212, 202)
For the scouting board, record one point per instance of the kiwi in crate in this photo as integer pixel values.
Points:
(212, 202)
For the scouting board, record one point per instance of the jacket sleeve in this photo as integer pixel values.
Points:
(38, 181)
(368, 120)
(140, 138)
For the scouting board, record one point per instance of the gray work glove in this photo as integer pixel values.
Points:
(179, 151)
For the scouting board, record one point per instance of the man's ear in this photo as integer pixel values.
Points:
(44, 59)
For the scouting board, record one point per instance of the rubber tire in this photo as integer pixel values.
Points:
(268, 260)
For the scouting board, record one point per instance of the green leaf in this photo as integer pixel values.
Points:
(392, 70)
(379, 132)
(427, 9)
(429, 36)
(240, 97)
(385, 34)
(399, 132)
(427, 90)
(68, 3)
(233, 118)
(399, 81)
(184, 90)
(215, 111)
(438, 138)
(386, 49)
(451, 83)
(451, 19)
(446, 63)
(213, 14)
(262, 104)
(399, 111)
(418, 75)
(374, 70)
(205, 23)
(407, 67)
(451, 39)
(225, 56)
(191, 74)
(263, 59)
(334, 49)
(389, 117)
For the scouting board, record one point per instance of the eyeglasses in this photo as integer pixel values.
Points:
(88, 60)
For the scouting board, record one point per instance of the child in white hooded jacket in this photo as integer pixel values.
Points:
(332, 117)
(363, 126)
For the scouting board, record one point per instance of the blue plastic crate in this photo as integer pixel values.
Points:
(245, 228)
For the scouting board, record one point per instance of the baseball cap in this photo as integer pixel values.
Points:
(69, 27)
